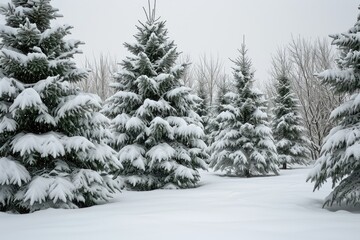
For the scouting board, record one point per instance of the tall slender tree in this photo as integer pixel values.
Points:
(156, 131)
(52, 150)
(340, 153)
(245, 145)
(202, 108)
(213, 126)
(291, 142)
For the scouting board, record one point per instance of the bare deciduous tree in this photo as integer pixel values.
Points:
(301, 60)
(280, 66)
(209, 71)
(101, 70)
(188, 78)
(309, 58)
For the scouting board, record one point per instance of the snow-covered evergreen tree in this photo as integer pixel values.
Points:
(290, 139)
(213, 126)
(52, 151)
(340, 153)
(156, 130)
(202, 109)
(244, 145)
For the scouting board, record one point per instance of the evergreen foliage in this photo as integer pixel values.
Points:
(291, 142)
(244, 145)
(202, 109)
(340, 153)
(157, 133)
(213, 126)
(52, 150)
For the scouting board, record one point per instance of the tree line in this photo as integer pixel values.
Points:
(301, 59)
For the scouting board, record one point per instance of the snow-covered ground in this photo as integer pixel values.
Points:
(282, 207)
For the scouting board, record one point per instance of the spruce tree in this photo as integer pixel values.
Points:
(52, 150)
(244, 145)
(291, 142)
(202, 109)
(157, 133)
(213, 126)
(340, 153)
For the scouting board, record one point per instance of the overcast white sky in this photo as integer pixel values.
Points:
(208, 26)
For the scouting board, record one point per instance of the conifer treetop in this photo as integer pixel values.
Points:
(242, 71)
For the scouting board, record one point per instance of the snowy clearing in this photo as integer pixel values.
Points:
(282, 207)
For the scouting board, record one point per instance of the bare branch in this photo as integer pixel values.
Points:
(101, 71)
(300, 61)
(209, 71)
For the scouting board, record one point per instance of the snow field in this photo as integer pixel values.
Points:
(280, 208)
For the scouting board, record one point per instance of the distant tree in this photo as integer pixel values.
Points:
(209, 71)
(280, 65)
(52, 136)
(213, 126)
(224, 86)
(100, 69)
(202, 108)
(188, 78)
(340, 153)
(317, 100)
(156, 130)
(244, 145)
(302, 59)
(291, 142)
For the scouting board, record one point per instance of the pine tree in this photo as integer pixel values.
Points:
(213, 126)
(340, 153)
(156, 130)
(291, 142)
(52, 150)
(244, 146)
(202, 108)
